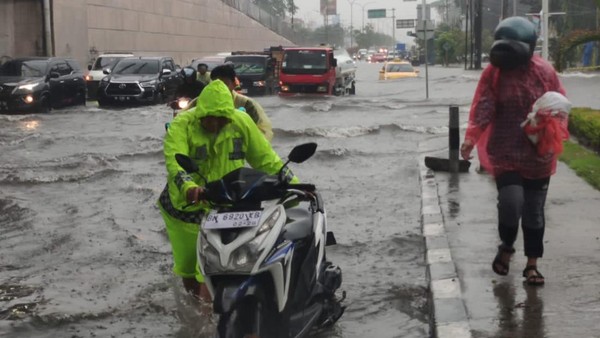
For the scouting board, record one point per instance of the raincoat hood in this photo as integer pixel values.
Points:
(215, 100)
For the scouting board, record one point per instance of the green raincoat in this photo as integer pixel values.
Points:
(240, 141)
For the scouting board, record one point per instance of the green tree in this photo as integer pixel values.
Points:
(370, 38)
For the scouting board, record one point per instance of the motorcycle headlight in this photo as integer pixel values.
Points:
(28, 87)
(244, 258)
(208, 256)
(183, 103)
(149, 83)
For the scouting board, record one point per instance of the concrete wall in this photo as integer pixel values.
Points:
(183, 29)
(21, 28)
(70, 28)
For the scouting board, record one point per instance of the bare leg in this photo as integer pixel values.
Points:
(192, 286)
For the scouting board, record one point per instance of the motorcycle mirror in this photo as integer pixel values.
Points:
(299, 154)
(302, 152)
(186, 163)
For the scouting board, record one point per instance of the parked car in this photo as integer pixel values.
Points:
(139, 80)
(210, 61)
(397, 70)
(96, 70)
(37, 84)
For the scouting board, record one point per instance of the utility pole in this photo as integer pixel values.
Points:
(425, 42)
(515, 7)
(477, 27)
(467, 10)
(394, 27)
(503, 9)
(351, 2)
(545, 12)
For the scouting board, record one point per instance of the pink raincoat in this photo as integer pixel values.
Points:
(501, 103)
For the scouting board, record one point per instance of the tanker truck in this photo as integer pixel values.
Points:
(317, 70)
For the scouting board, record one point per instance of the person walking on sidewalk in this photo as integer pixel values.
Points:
(505, 94)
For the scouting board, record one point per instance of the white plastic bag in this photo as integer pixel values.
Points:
(553, 104)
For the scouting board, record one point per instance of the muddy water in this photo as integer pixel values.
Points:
(83, 251)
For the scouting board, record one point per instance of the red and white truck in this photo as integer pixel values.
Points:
(317, 70)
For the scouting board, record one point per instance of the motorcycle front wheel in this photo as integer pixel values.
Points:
(249, 319)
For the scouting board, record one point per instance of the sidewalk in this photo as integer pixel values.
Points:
(469, 299)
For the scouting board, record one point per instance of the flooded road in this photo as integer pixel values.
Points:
(83, 249)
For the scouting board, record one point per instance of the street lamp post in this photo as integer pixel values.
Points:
(363, 13)
(351, 2)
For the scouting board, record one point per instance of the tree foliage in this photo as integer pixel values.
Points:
(370, 38)
(278, 7)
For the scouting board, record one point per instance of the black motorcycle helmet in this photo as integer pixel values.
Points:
(189, 74)
(515, 40)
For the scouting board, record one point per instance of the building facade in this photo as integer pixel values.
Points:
(182, 29)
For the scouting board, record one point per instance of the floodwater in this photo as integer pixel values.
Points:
(84, 253)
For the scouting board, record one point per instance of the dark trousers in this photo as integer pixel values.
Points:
(522, 200)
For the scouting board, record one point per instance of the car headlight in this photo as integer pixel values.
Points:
(149, 83)
(29, 86)
(89, 78)
(258, 83)
(285, 88)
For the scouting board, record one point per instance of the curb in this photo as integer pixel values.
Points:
(448, 314)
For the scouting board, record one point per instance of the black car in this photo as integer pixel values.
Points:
(37, 84)
(255, 72)
(139, 80)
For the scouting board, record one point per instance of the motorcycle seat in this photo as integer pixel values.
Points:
(299, 224)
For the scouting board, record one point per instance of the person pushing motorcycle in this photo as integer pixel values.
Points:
(220, 139)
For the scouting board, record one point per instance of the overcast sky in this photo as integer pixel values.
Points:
(309, 11)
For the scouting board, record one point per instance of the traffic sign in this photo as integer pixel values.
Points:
(405, 23)
(376, 13)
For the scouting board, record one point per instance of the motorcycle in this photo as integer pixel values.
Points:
(261, 249)
(178, 105)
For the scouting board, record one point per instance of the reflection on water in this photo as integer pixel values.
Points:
(29, 125)
(519, 319)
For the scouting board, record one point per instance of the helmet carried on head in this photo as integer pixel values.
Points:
(515, 39)
(188, 74)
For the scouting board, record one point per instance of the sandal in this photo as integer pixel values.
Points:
(498, 262)
(536, 279)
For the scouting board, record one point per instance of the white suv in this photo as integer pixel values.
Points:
(95, 71)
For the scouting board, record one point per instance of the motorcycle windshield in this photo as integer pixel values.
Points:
(243, 185)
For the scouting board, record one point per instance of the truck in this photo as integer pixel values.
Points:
(258, 71)
(317, 70)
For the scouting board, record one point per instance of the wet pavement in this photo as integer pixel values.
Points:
(83, 251)
(568, 305)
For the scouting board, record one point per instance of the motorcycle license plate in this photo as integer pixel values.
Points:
(232, 220)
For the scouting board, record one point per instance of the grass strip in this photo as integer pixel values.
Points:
(583, 161)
